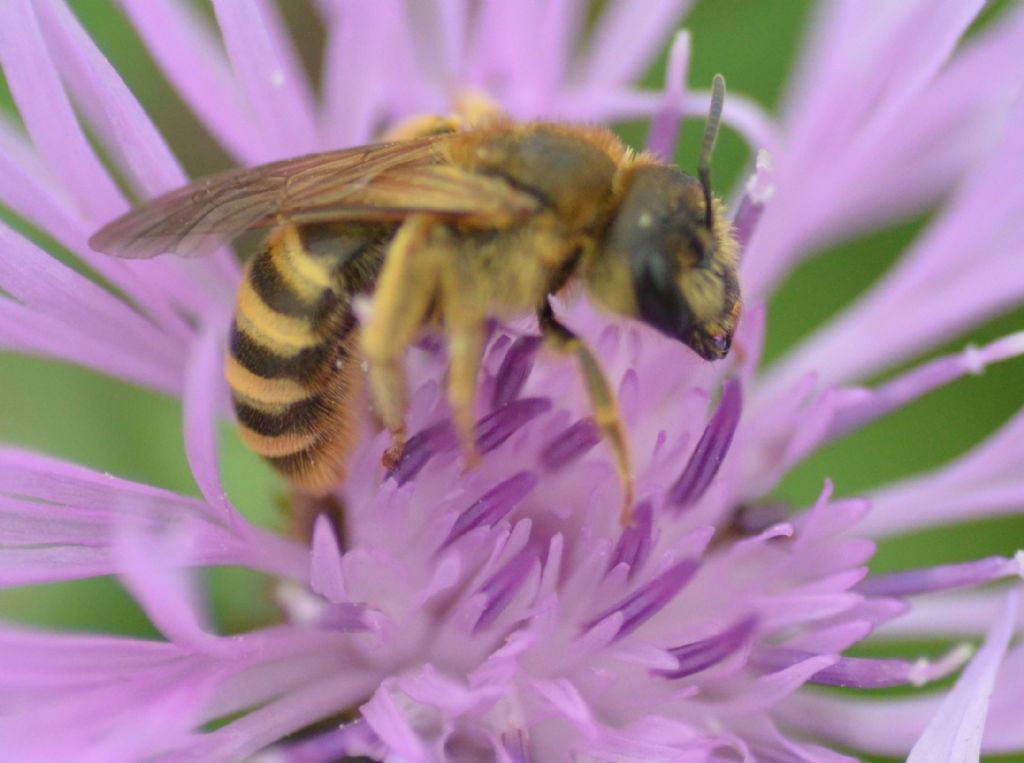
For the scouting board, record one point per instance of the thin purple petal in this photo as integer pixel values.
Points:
(153, 571)
(422, 446)
(860, 407)
(664, 132)
(867, 673)
(649, 599)
(503, 585)
(701, 655)
(326, 577)
(943, 577)
(496, 427)
(635, 542)
(514, 370)
(758, 192)
(572, 444)
(492, 431)
(711, 449)
(493, 505)
(205, 397)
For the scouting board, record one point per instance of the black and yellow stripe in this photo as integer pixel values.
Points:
(291, 363)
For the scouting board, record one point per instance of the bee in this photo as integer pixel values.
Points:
(451, 226)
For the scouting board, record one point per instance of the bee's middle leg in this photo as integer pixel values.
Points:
(464, 319)
(401, 303)
(603, 402)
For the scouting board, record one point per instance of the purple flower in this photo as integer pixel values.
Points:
(503, 613)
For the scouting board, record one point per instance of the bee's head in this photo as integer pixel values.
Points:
(662, 264)
(668, 257)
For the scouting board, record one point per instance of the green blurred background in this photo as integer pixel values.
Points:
(111, 426)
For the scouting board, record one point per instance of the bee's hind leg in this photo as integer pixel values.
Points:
(401, 304)
(603, 402)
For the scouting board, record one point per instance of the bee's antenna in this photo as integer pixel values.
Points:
(710, 135)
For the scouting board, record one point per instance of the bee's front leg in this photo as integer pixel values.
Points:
(401, 302)
(603, 401)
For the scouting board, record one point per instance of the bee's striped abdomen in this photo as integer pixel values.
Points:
(293, 363)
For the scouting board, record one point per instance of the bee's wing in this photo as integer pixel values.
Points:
(384, 181)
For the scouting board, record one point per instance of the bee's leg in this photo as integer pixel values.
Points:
(401, 303)
(603, 402)
(464, 320)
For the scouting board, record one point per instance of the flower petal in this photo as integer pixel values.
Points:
(41, 282)
(664, 132)
(943, 577)
(986, 481)
(48, 115)
(361, 58)
(848, 111)
(130, 136)
(270, 75)
(153, 570)
(326, 576)
(626, 40)
(61, 522)
(955, 732)
(191, 58)
(205, 397)
(858, 406)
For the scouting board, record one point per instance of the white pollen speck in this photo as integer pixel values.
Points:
(760, 186)
(365, 366)
(974, 360)
(338, 364)
(301, 606)
(918, 675)
(646, 219)
(362, 308)
(277, 78)
(924, 671)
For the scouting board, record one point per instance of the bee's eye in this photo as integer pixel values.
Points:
(658, 296)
